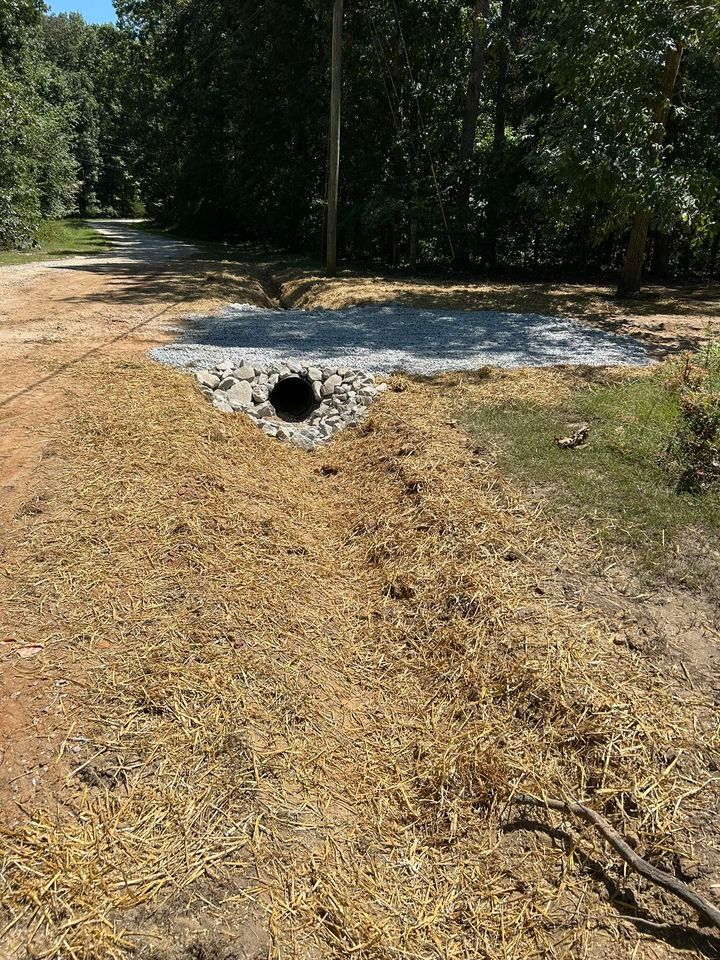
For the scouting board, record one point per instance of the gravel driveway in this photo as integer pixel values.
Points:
(383, 338)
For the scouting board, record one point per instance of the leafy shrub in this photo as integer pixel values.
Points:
(693, 453)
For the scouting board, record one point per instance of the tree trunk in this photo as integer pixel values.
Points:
(714, 250)
(469, 127)
(661, 255)
(631, 276)
(493, 208)
(413, 243)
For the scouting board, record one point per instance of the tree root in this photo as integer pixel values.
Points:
(659, 877)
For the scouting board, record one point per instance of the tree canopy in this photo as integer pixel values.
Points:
(492, 134)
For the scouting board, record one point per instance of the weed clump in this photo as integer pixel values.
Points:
(693, 452)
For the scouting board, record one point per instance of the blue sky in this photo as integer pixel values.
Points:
(94, 11)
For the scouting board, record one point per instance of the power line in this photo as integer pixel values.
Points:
(400, 113)
(426, 143)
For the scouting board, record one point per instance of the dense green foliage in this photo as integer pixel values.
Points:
(215, 115)
(64, 146)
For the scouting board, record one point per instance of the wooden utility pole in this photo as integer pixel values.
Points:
(334, 172)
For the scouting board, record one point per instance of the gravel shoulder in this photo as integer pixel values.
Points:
(392, 337)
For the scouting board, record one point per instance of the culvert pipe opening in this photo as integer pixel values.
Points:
(293, 399)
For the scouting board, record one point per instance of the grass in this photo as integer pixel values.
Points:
(617, 480)
(58, 238)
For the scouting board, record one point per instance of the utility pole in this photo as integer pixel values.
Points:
(334, 172)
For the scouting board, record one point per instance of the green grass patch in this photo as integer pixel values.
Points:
(618, 480)
(58, 238)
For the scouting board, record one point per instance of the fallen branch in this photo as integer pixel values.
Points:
(665, 880)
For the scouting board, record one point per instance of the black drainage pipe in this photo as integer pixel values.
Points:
(293, 399)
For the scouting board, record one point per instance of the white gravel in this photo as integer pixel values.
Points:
(380, 339)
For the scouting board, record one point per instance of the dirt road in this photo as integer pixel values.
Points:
(118, 304)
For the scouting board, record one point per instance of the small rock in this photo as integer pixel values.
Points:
(240, 395)
(271, 429)
(222, 404)
(207, 379)
(245, 373)
(293, 365)
(273, 379)
(260, 393)
(328, 372)
(262, 378)
(314, 373)
(304, 442)
(328, 387)
(317, 390)
(226, 383)
(264, 410)
(284, 372)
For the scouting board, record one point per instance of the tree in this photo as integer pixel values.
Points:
(631, 276)
(469, 126)
(37, 169)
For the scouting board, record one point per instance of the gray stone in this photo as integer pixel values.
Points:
(245, 373)
(273, 379)
(305, 443)
(284, 372)
(207, 379)
(226, 383)
(240, 395)
(328, 372)
(260, 393)
(222, 404)
(284, 433)
(328, 387)
(293, 365)
(262, 377)
(225, 365)
(314, 373)
(271, 429)
(264, 410)
(317, 389)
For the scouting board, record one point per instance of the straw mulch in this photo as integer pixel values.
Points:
(305, 689)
